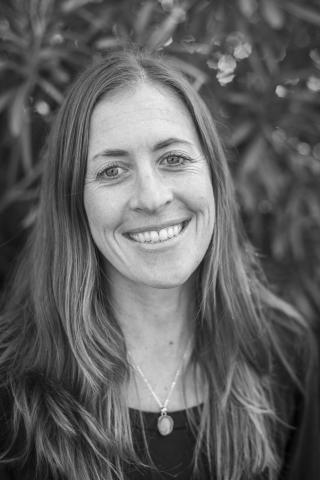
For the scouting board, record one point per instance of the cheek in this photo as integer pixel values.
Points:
(100, 212)
(200, 196)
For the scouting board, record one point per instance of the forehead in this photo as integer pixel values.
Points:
(137, 116)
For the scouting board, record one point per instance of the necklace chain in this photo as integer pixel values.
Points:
(163, 406)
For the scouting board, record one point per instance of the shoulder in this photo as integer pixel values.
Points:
(7, 448)
(293, 345)
(12, 433)
(6, 407)
(297, 397)
(294, 362)
(17, 460)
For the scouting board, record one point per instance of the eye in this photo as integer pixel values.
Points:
(174, 160)
(110, 172)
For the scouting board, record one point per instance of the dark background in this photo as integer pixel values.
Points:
(257, 63)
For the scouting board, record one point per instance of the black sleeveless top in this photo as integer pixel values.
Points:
(172, 454)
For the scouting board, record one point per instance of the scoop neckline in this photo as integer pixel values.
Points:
(150, 419)
(173, 412)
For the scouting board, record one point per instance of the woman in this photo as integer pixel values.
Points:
(137, 340)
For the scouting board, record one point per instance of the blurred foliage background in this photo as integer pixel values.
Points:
(257, 63)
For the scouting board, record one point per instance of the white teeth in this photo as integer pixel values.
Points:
(170, 232)
(176, 229)
(140, 237)
(156, 237)
(146, 236)
(163, 235)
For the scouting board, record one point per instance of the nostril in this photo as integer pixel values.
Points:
(151, 196)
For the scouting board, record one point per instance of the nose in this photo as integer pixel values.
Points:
(151, 192)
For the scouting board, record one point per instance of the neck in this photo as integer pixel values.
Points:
(153, 319)
(158, 326)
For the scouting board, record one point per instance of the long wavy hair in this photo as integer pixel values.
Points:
(63, 356)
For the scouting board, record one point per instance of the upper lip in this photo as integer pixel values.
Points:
(157, 228)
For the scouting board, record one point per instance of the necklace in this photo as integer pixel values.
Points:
(165, 422)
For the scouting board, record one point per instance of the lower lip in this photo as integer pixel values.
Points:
(165, 243)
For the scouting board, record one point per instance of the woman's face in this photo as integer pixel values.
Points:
(148, 194)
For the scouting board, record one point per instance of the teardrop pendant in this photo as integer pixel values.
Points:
(165, 424)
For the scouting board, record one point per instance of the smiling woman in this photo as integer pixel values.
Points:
(137, 340)
(150, 197)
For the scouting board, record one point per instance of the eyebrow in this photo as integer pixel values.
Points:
(158, 146)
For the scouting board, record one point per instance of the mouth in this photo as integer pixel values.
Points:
(160, 236)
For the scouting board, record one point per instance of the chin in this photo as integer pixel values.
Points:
(166, 281)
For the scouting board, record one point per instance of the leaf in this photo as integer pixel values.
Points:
(17, 111)
(143, 18)
(21, 187)
(304, 13)
(313, 204)
(5, 99)
(296, 237)
(165, 30)
(224, 78)
(107, 42)
(227, 64)
(30, 218)
(248, 7)
(312, 288)
(242, 99)
(240, 133)
(9, 65)
(51, 90)
(198, 76)
(273, 14)
(70, 5)
(253, 154)
(25, 137)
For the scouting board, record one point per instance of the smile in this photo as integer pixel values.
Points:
(162, 235)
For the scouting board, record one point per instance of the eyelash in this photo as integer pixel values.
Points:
(101, 174)
(177, 155)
